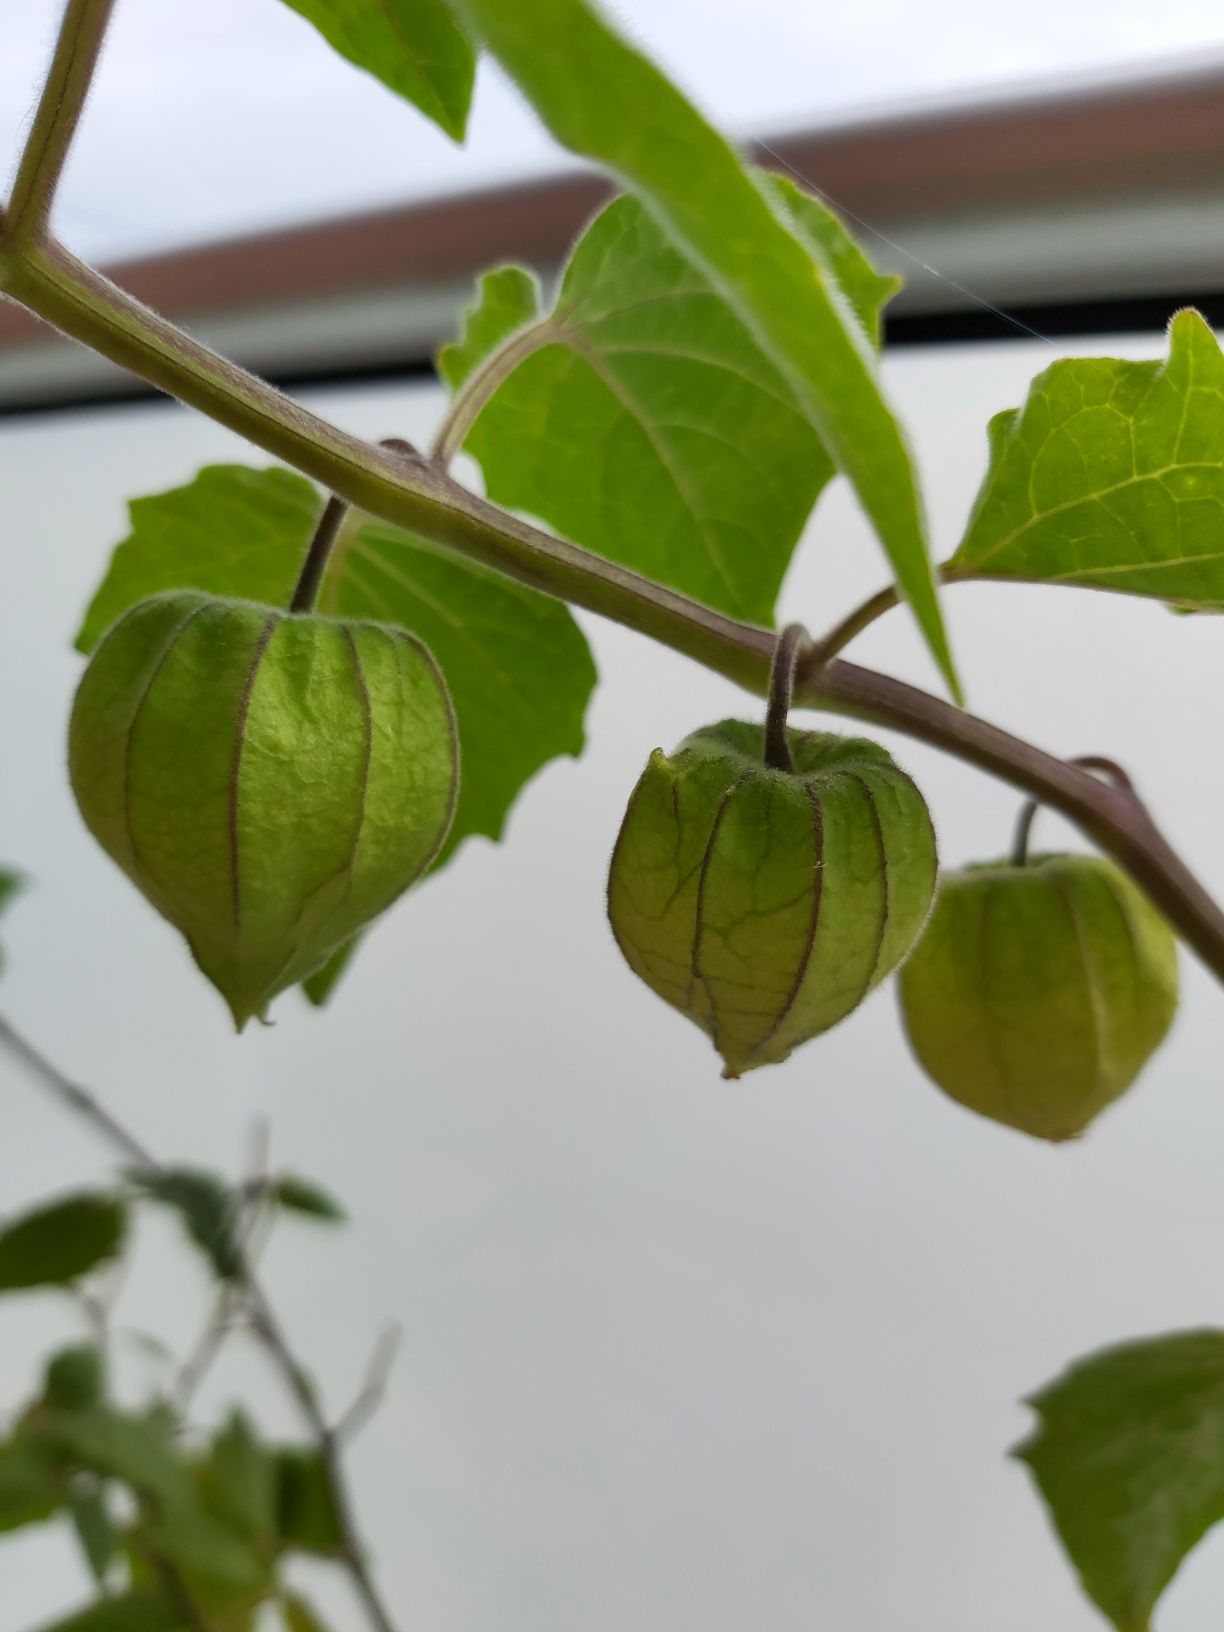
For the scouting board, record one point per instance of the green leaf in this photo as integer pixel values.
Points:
(415, 47)
(831, 244)
(642, 419)
(320, 986)
(141, 1451)
(136, 1448)
(508, 301)
(30, 1490)
(75, 1377)
(239, 1480)
(1111, 477)
(231, 531)
(10, 884)
(207, 1205)
(1130, 1458)
(306, 1511)
(95, 1531)
(132, 1612)
(602, 98)
(303, 1196)
(300, 1616)
(57, 1244)
(517, 667)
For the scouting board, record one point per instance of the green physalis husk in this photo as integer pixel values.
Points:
(1038, 992)
(270, 781)
(766, 904)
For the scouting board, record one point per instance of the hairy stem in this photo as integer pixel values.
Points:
(60, 106)
(318, 552)
(781, 694)
(480, 385)
(419, 496)
(264, 1322)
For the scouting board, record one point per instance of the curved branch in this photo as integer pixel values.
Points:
(417, 495)
(1113, 817)
(59, 110)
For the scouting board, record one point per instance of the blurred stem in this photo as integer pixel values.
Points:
(59, 110)
(319, 550)
(417, 495)
(264, 1321)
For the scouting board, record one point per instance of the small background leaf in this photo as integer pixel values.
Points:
(1130, 1458)
(304, 1196)
(30, 1491)
(207, 1205)
(306, 1513)
(132, 1612)
(95, 1530)
(57, 1244)
(300, 1616)
(239, 1480)
(415, 47)
(1111, 477)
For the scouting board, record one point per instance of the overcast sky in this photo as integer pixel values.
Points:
(219, 116)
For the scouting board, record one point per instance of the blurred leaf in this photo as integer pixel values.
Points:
(508, 299)
(55, 1245)
(306, 1512)
(75, 1376)
(602, 98)
(142, 1452)
(222, 1571)
(299, 1615)
(239, 1480)
(10, 884)
(207, 1205)
(30, 1491)
(320, 986)
(415, 47)
(132, 1612)
(95, 1531)
(302, 1196)
(138, 1449)
(1111, 477)
(645, 422)
(1130, 1458)
(517, 667)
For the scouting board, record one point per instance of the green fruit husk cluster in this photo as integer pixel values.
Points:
(270, 781)
(1037, 992)
(766, 904)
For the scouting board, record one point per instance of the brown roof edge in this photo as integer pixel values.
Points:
(1104, 141)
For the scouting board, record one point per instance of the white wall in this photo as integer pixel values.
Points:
(678, 1353)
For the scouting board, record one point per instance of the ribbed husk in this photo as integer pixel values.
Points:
(270, 781)
(764, 904)
(1037, 993)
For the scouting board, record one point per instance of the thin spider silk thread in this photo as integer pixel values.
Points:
(900, 249)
